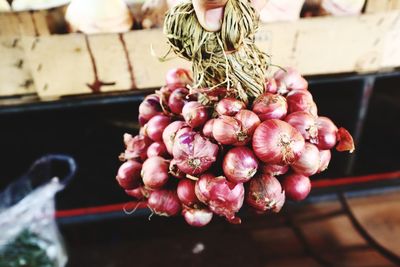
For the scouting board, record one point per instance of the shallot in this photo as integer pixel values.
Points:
(277, 142)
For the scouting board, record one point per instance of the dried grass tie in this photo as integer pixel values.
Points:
(228, 58)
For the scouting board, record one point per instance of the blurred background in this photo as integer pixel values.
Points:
(73, 74)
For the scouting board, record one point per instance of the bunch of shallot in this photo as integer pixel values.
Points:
(201, 160)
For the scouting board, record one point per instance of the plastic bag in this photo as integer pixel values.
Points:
(28, 231)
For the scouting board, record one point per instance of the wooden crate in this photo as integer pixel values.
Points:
(56, 65)
(15, 74)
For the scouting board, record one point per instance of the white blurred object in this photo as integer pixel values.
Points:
(4, 6)
(98, 16)
(172, 3)
(154, 13)
(23, 5)
(343, 7)
(281, 10)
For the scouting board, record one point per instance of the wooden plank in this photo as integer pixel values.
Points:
(374, 6)
(111, 61)
(15, 73)
(149, 72)
(60, 64)
(15, 77)
(334, 45)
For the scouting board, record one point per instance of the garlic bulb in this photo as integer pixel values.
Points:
(23, 5)
(281, 10)
(343, 7)
(98, 16)
(4, 6)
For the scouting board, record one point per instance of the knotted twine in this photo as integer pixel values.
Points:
(227, 58)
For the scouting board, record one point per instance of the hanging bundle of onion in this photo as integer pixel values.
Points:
(227, 58)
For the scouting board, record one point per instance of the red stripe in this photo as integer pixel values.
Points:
(356, 179)
(315, 184)
(100, 209)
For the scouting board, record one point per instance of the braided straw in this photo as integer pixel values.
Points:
(228, 58)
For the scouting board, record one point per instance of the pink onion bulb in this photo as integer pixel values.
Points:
(208, 128)
(197, 217)
(222, 197)
(135, 147)
(265, 193)
(305, 123)
(178, 77)
(249, 121)
(276, 142)
(270, 106)
(308, 162)
(149, 108)
(169, 133)
(324, 159)
(229, 106)
(157, 149)
(177, 100)
(297, 187)
(164, 203)
(301, 100)
(290, 79)
(155, 172)
(273, 169)
(128, 176)
(240, 165)
(193, 153)
(156, 126)
(186, 194)
(327, 134)
(229, 131)
(195, 114)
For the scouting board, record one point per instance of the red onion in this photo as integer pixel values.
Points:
(222, 197)
(136, 193)
(308, 162)
(157, 149)
(296, 186)
(273, 169)
(327, 131)
(270, 106)
(135, 147)
(229, 131)
(208, 128)
(149, 108)
(156, 126)
(128, 176)
(271, 86)
(229, 106)
(290, 80)
(186, 194)
(178, 77)
(345, 139)
(301, 100)
(142, 121)
(169, 133)
(155, 172)
(195, 114)
(193, 153)
(175, 171)
(164, 203)
(305, 123)
(276, 142)
(240, 165)
(177, 100)
(265, 193)
(249, 120)
(324, 159)
(197, 217)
